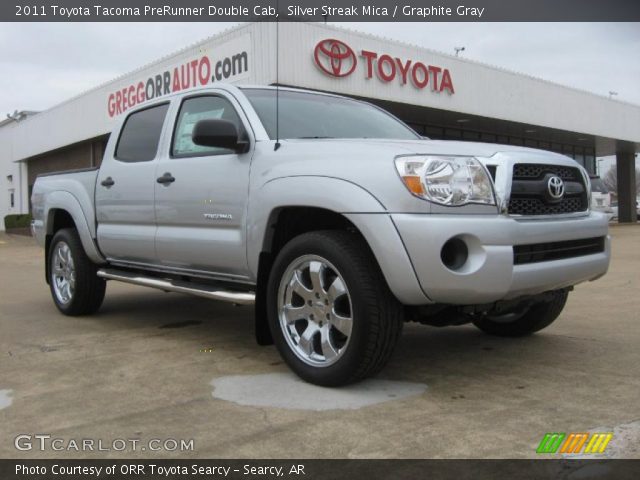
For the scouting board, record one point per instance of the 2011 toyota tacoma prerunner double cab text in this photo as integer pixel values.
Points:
(335, 219)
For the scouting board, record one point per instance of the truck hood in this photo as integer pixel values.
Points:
(425, 147)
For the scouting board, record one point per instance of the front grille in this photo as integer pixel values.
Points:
(529, 190)
(543, 252)
(537, 170)
(537, 206)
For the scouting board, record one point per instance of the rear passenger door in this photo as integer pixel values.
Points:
(125, 189)
(201, 211)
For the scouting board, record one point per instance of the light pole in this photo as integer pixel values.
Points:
(612, 94)
(458, 50)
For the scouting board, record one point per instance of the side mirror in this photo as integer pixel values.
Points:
(218, 133)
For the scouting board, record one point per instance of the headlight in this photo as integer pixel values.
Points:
(451, 181)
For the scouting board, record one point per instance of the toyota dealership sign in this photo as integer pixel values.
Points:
(337, 59)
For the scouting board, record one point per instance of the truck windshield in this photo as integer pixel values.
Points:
(308, 115)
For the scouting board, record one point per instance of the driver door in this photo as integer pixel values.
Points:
(200, 214)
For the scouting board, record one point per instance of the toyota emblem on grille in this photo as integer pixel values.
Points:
(555, 186)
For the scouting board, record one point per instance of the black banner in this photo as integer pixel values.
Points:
(320, 10)
(318, 469)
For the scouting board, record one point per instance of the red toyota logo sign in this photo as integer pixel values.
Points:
(335, 58)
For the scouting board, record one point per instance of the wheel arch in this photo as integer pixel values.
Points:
(64, 211)
(319, 193)
(283, 224)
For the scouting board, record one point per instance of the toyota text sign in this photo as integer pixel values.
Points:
(337, 59)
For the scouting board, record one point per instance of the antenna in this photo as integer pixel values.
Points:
(277, 145)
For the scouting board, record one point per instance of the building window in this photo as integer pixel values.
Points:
(418, 128)
(467, 135)
(434, 132)
(451, 133)
(12, 198)
(567, 150)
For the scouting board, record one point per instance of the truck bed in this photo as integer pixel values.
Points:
(75, 189)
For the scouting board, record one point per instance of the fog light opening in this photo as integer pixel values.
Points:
(454, 253)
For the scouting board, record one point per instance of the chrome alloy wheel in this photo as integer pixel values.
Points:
(63, 273)
(315, 311)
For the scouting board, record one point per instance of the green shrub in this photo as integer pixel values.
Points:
(17, 221)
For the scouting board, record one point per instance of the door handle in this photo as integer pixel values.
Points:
(166, 179)
(108, 182)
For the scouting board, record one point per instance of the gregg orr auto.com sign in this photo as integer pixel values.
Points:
(191, 73)
(337, 59)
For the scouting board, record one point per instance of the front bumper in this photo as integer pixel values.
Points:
(489, 273)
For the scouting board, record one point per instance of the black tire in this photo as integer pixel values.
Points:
(89, 290)
(535, 318)
(377, 316)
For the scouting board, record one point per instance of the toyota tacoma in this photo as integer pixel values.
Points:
(333, 218)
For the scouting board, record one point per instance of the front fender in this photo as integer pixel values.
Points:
(328, 193)
(61, 200)
(358, 205)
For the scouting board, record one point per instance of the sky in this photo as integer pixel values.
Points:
(43, 64)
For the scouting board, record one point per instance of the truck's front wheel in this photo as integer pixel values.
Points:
(75, 287)
(527, 321)
(331, 313)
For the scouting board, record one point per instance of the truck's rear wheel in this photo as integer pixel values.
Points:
(75, 287)
(331, 313)
(526, 321)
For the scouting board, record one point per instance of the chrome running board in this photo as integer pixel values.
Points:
(206, 291)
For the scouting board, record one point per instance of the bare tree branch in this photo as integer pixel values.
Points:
(610, 180)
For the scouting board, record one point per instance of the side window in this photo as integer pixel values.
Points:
(196, 109)
(140, 135)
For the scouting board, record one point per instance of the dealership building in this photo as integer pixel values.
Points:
(441, 96)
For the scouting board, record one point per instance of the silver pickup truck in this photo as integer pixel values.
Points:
(330, 216)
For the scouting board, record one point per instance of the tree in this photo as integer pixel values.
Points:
(610, 180)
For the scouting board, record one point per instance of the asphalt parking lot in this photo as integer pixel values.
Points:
(148, 364)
